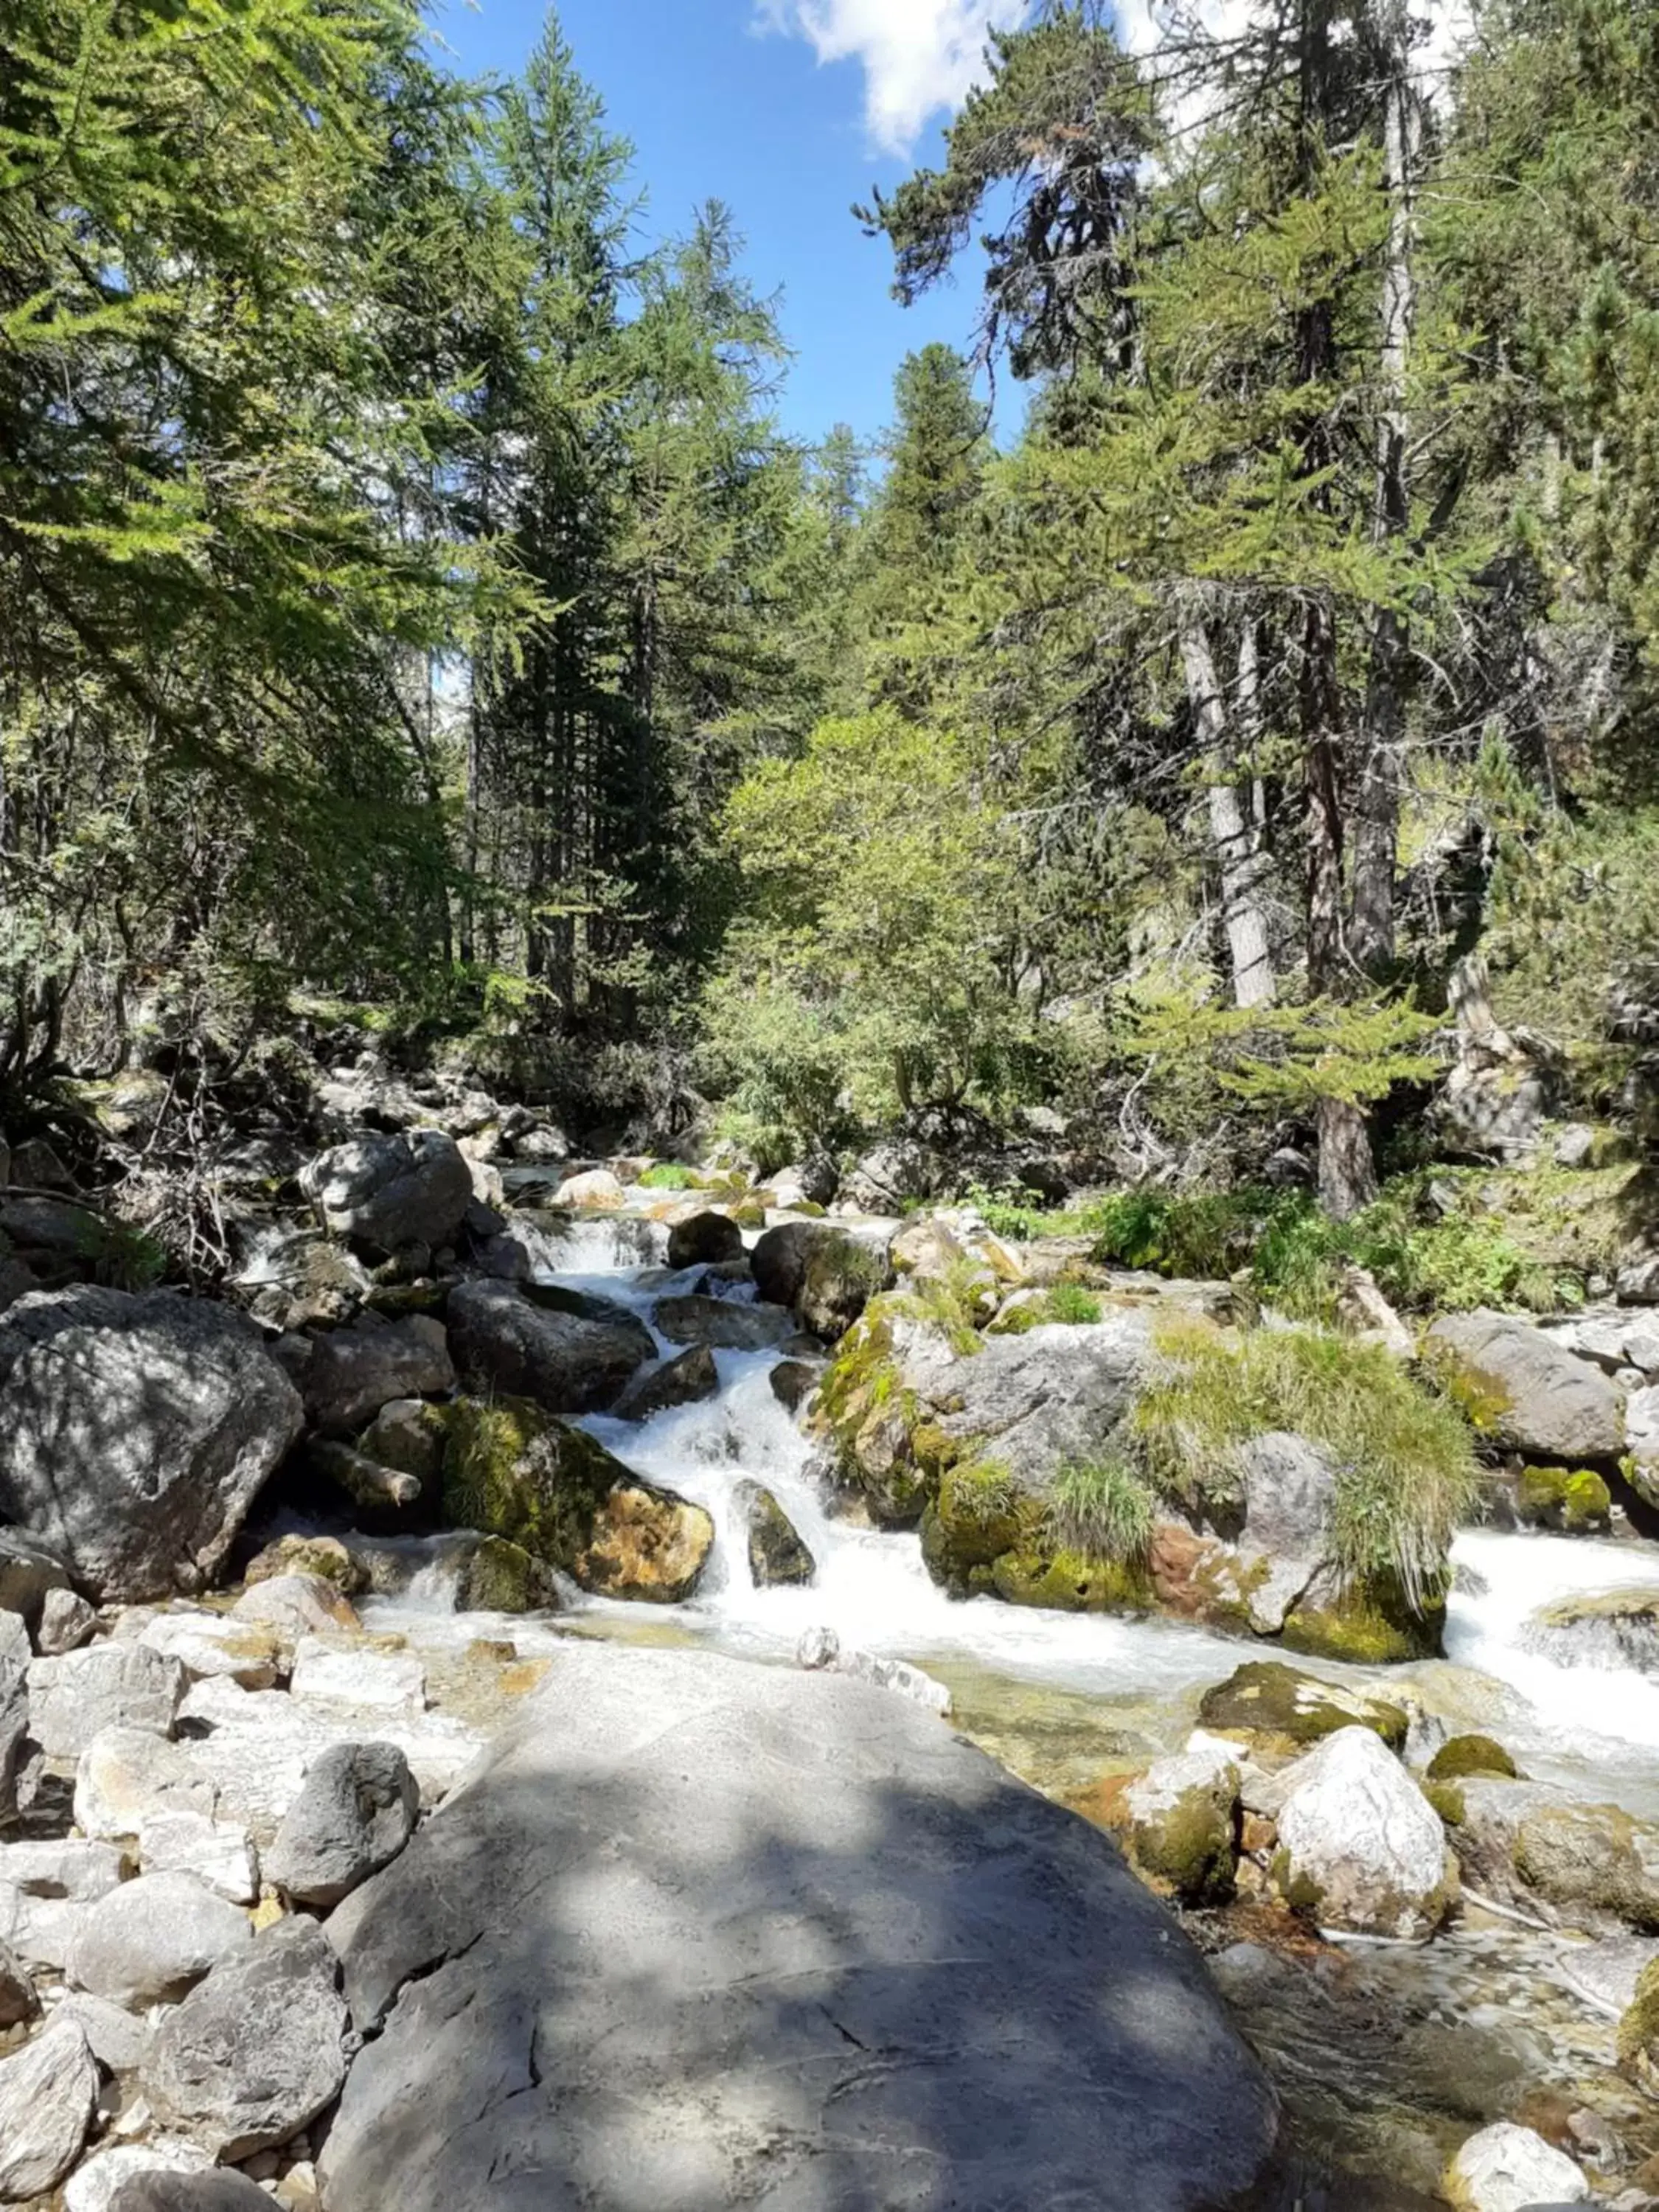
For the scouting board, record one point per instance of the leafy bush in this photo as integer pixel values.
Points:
(1404, 1458)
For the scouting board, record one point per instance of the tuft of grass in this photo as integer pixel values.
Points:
(1071, 1303)
(668, 1174)
(985, 1492)
(1404, 1460)
(1103, 1508)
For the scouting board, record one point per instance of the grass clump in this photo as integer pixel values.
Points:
(1104, 1509)
(1406, 1474)
(1070, 1303)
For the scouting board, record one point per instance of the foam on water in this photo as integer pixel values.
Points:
(1510, 1581)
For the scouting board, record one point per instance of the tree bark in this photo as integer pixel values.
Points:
(1232, 831)
(1347, 1169)
(1377, 826)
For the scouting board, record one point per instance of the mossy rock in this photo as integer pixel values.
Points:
(1287, 1709)
(512, 1470)
(503, 1577)
(1068, 1582)
(1185, 1840)
(875, 1425)
(324, 1556)
(1592, 1858)
(1639, 2031)
(1471, 1754)
(1575, 1500)
(777, 1554)
(1447, 1800)
(1370, 1623)
(977, 1514)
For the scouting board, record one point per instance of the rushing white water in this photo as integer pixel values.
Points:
(873, 1589)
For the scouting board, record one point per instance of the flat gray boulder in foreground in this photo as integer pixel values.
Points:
(704, 1935)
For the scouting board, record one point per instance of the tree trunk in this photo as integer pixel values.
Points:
(1376, 827)
(1347, 1170)
(1232, 831)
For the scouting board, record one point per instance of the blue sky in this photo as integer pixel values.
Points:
(789, 111)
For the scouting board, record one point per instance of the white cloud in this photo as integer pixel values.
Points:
(918, 56)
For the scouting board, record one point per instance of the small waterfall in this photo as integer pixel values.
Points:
(1509, 1580)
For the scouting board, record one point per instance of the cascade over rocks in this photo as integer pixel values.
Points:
(387, 1193)
(135, 1433)
(502, 1341)
(799, 1881)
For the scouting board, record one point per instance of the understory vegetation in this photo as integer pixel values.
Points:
(422, 639)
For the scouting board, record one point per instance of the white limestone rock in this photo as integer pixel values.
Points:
(152, 1940)
(1507, 2168)
(1360, 1843)
(48, 2092)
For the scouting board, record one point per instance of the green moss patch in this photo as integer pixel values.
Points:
(1265, 1697)
(1471, 1754)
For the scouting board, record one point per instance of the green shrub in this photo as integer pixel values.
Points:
(1296, 1254)
(1404, 1460)
(1072, 1305)
(1103, 1509)
(668, 1174)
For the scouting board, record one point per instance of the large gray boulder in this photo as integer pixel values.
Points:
(135, 1433)
(503, 1343)
(388, 1193)
(356, 1811)
(353, 1372)
(826, 1276)
(1525, 1392)
(701, 1932)
(256, 2051)
(48, 2092)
